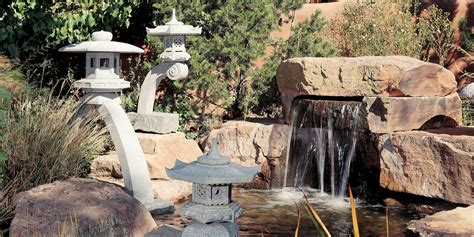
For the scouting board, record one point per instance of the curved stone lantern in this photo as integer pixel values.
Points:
(173, 33)
(211, 207)
(101, 84)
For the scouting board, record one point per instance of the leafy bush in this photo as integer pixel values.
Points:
(31, 32)
(435, 33)
(467, 113)
(391, 28)
(235, 33)
(467, 36)
(45, 142)
(306, 40)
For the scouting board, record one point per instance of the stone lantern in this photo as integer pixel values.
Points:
(101, 84)
(211, 207)
(173, 33)
(102, 64)
(171, 67)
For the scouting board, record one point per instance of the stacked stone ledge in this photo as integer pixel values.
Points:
(400, 93)
(403, 98)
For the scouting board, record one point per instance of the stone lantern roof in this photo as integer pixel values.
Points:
(174, 27)
(101, 42)
(212, 169)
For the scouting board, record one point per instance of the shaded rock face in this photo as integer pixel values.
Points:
(79, 207)
(428, 164)
(249, 143)
(457, 222)
(391, 114)
(161, 152)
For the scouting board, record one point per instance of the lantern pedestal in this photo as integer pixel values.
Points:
(155, 122)
(225, 229)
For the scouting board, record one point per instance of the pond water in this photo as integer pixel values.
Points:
(273, 213)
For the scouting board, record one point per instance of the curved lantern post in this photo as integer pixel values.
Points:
(101, 84)
(172, 67)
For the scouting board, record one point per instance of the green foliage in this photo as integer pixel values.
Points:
(11, 83)
(45, 142)
(32, 31)
(467, 36)
(436, 33)
(235, 33)
(305, 41)
(391, 28)
(29, 25)
(467, 113)
(380, 28)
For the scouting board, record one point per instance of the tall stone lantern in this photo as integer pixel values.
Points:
(211, 207)
(172, 66)
(101, 84)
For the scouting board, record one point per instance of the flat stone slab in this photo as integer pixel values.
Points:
(364, 76)
(166, 231)
(390, 114)
(156, 122)
(456, 222)
(436, 164)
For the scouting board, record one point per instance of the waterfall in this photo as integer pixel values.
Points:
(322, 143)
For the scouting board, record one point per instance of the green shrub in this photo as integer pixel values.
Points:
(391, 28)
(435, 33)
(306, 40)
(45, 142)
(467, 113)
(467, 36)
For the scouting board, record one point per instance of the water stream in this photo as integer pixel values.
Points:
(322, 144)
(272, 213)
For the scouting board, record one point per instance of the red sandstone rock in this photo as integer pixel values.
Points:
(390, 114)
(428, 164)
(457, 222)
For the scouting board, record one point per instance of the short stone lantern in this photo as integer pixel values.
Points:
(211, 208)
(172, 66)
(173, 33)
(101, 84)
(102, 63)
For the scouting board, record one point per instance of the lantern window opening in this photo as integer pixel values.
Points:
(104, 62)
(92, 62)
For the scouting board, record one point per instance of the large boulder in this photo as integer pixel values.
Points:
(79, 207)
(425, 163)
(364, 76)
(250, 143)
(456, 222)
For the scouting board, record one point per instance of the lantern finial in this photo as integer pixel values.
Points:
(173, 20)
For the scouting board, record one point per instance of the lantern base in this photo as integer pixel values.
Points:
(225, 229)
(159, 207)
(206, 214)
(156, 122)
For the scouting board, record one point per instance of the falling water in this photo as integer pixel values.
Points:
(322, 144)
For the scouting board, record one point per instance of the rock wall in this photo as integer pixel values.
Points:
(393, 87)
(403, 96)
(250, 143)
